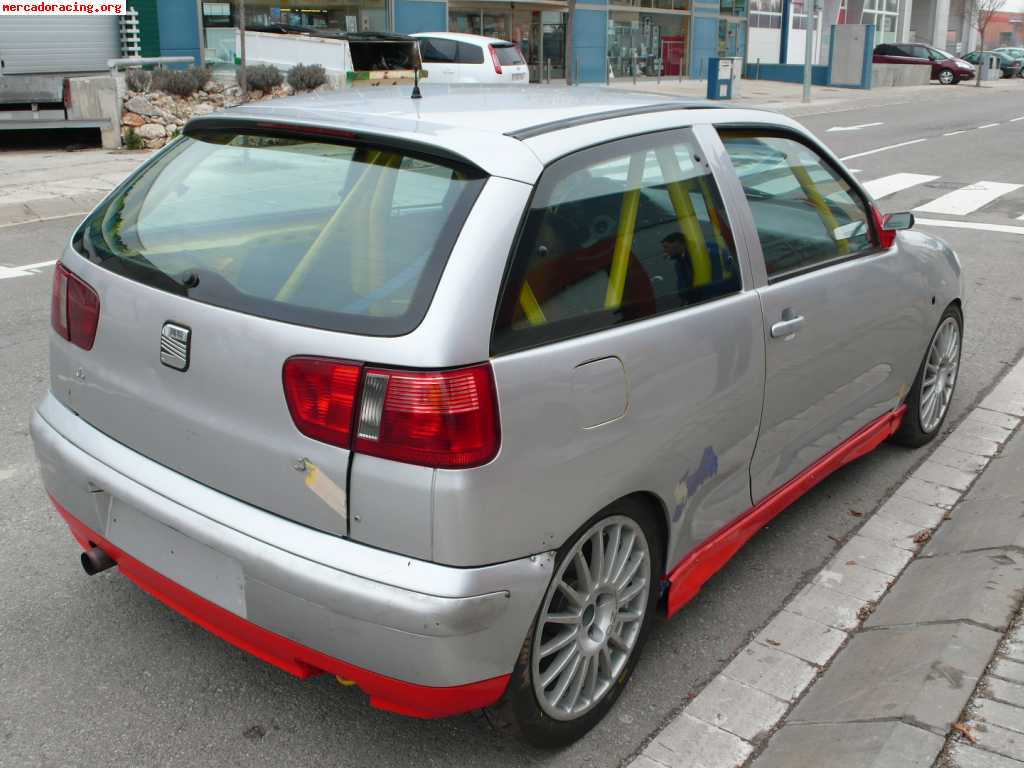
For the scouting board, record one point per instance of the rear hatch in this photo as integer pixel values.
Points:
(509, 59)
(234, 250)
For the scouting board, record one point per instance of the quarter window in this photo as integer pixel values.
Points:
(616, 234)
(806, 214)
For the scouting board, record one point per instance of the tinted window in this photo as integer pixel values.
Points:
(805, 212)
(329, 235)
(508, 55)
(920, 52)
(615, 234)
(887, 50)
(470, 54)
(438, 51)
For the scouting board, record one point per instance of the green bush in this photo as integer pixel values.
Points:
(261, 77)
(306, 77)
(132, 140)
(137, 80)
(180, 82)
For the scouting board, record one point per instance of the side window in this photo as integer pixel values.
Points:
(614, 234)
(470, 54)
(805, 212)
(437, 50)
(920, 52)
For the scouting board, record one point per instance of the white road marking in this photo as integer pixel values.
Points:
(968, 199)
(890, 185)
(854, 170)
(987, 125)
(43, 218)
(953, 133)
(7, 273)
(852, 127)
(1015, 119)
(883, 149)
(1007, 229)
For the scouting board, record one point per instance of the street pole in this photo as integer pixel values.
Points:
(242, 80)
(809, 9)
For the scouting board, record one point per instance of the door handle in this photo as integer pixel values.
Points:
(786, 328)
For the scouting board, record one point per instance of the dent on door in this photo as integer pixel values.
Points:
(600, 392)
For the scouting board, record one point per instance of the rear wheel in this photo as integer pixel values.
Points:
(932, 390)
(947, 77)
(587, 636)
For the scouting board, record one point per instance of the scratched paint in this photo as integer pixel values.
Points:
(692, 482)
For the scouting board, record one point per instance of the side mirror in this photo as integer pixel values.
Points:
(894, 222)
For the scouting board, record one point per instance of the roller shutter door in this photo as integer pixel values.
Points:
(58, 43)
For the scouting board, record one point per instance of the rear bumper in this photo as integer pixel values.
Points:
(421, 639)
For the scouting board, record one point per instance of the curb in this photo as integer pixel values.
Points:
(737, 713)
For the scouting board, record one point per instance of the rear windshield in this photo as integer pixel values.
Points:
(508, 55)
(344, 237)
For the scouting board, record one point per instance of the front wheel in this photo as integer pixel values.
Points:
(947, 77)
(587, 636)
(932, 390)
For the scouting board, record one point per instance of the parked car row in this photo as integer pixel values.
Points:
(1010, 66)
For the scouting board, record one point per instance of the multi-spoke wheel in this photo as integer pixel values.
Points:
(589, 629)
(932, 391)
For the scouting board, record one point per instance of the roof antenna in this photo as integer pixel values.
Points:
(416, 83)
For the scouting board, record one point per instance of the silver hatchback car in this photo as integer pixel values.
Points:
(449, 397)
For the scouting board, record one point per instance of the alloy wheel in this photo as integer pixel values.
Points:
(940, 371)
(945, 77)
(591, 618)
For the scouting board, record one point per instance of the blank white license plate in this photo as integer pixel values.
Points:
(197, 567)
(518, 75)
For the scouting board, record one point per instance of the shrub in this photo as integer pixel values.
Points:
(132, 140)
(137, 80)
(306, 77)
(180, 82)
(261, 77)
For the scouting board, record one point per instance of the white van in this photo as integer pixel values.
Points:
(453, 57)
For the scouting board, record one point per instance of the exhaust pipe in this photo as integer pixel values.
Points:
(95, 560)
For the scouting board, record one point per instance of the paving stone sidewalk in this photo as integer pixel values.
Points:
(888, 658)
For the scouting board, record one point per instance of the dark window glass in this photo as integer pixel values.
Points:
(438, 51)
(470, 54)
(615, 234)
(805, 212)
(508, 55)
(920, 52)
(348, 238)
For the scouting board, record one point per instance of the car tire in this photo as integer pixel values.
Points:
(948, 77)
(559, 720)
(921, 424)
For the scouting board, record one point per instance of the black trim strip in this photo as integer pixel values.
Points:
(596, 117)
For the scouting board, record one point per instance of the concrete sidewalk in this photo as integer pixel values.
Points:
(881, 664)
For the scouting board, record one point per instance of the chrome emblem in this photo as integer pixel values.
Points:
(175, 341)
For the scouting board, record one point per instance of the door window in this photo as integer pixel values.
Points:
(805, 212)
(616, 234)
(436, 50)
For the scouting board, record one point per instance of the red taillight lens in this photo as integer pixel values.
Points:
(885, 239)
(494, 59)
(74, 308)
(445, 419)
(321, 395)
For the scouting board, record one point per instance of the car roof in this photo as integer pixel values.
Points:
(509, 131)
(464, 37)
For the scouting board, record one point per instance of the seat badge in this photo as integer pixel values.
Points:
(175, 345)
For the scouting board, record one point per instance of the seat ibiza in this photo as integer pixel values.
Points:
(449, 397)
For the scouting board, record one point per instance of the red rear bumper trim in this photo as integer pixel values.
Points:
(694, 570)
(384, 692)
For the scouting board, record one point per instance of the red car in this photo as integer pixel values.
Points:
(946, 68)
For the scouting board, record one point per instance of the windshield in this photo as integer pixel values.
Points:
(939, 55)
(336, 236)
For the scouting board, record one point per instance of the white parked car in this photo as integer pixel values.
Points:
(454, 57)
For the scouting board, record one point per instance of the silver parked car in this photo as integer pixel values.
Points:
(449, 397)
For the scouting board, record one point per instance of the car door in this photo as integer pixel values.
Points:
(628, 355)
(439, 59)
(841, 323)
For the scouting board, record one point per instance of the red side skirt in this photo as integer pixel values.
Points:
(299, 660)
(693, 571)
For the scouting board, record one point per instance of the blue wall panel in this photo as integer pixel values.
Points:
(179, 28)
(703, 45)
(590, 44)
(788, 73)
(420, 16)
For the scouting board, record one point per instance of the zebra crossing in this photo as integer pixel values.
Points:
(959, 201)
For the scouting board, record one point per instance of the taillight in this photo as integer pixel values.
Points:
(886, 239)
(321, 395)
(494, 59)
(74, 308)
(445, 419)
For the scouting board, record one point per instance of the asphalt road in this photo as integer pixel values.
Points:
(93, 671)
